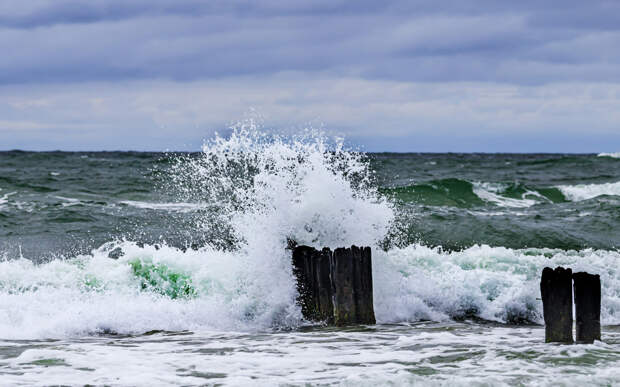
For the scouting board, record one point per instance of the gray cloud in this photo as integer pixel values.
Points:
(382, 115)
(525, 42)
(393, 75)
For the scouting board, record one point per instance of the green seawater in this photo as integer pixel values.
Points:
(126, 280)
(55, 204)
(161, 279)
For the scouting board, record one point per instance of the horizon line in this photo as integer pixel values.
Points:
(352, 150)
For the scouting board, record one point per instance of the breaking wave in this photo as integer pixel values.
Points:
(164, 288)
(588, 191)
(261, 192)
(615, 155)
(465, 194)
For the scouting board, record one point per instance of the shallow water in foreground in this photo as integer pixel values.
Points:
(429, 353)
(153, 269)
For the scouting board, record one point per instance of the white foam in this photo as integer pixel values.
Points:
(178, 207)
(68, 201)
(494, 283)
(267, 190)
(580, 192)
(489, 192)
(5, 199)
(245, 290)
(452, 354)
(615, 155)
(96, 293)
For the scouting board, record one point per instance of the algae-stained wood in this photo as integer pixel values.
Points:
(587, 307)
(343, 280)
(363, 293)
(304, 271)
(335, 287)
(556, 289)
(324, 287)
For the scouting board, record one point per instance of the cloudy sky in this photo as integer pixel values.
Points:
(492, 76)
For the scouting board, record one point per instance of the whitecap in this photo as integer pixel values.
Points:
(489, 192)
(580, 192)
(615, 155)
(248, 291)
(175, 206)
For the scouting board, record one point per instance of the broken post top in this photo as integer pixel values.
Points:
(558, 273)
(335, 287)
(587, 289)
(556, 290)
(294, 246)
(584, 277)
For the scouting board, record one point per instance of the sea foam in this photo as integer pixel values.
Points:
(615, 155)
(94, 293)
(588, 191)
(263, 191)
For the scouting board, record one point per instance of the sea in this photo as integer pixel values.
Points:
(148, 269)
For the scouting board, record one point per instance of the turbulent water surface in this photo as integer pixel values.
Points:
(150, 268)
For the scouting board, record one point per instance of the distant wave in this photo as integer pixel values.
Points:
(462, 193)
(580, 192)
(615, 155)
(491, 193)
(180, 207)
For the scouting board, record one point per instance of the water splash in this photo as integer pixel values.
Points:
(252, 192)
(588, 191)
(267, 188)
(615, 155)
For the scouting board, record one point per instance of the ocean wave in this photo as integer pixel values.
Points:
(441, 192)
(588, 191)
(615, 155)
(246, 290)
(264, 192)
(463, 193)
(493, 283)
(490, 192)
(177, 207)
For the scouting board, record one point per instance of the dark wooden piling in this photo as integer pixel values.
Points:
(303, 269)
(587, 307)
(324, 287)
(364, 302)
(335, 287)
(556, 289)
(343, 271)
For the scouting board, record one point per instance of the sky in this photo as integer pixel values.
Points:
(418, 76)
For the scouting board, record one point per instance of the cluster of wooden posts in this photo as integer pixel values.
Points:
(556, 289)
(335, 287)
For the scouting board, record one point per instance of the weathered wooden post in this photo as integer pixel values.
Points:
(364, 302)
(556, 289)
(324, 287)
(335, 287)
(343, 287)
(587, 307)
(303, 269)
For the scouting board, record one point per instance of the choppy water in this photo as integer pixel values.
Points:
(441, 354)
(149, 268)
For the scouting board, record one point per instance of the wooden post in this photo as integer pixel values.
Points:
(587, 307)
(304, 271)
(364, 303)
(342, 287)
(335, 287)
(556, 289)
(324, 287)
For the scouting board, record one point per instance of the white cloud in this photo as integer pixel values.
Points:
(160, 115)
